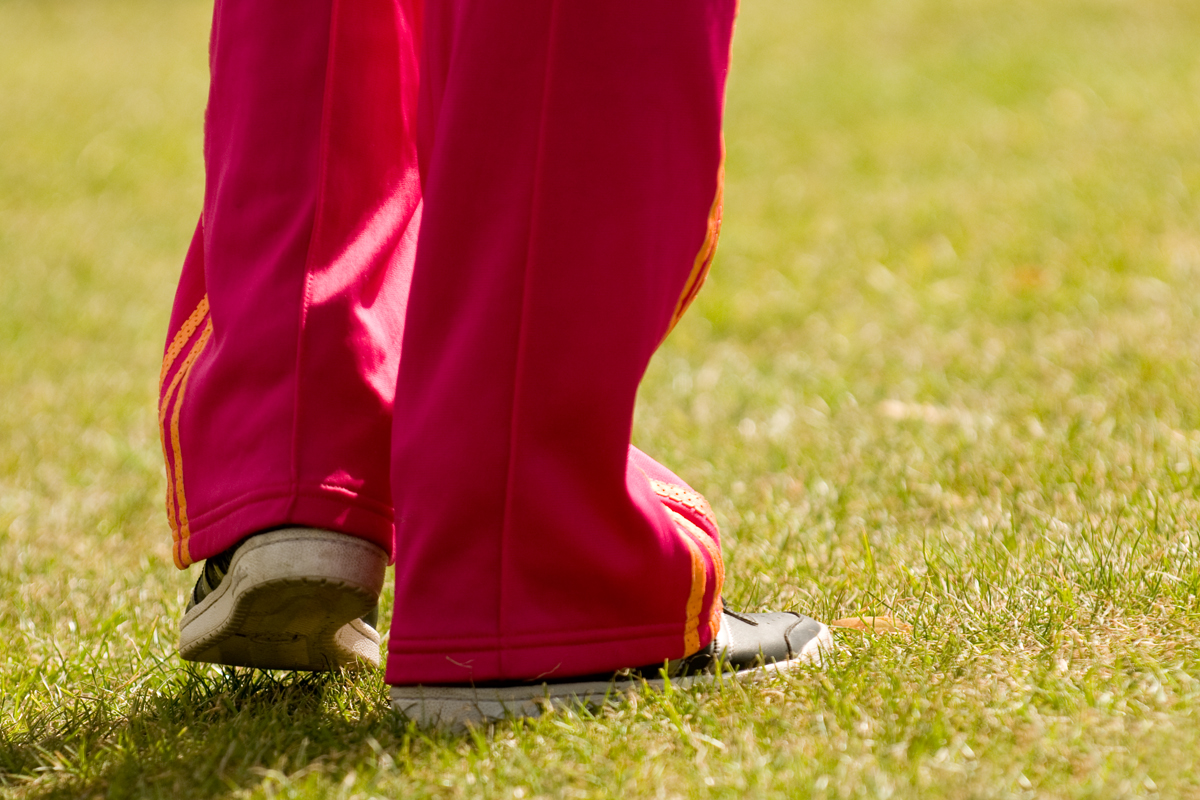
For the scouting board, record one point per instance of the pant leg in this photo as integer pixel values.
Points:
(570, 155)
(280, 370)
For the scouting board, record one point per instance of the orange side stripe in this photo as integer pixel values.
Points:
(182, 533)
(695, 603)
(705, 541)
(712, 232)
(714, 620)
(181, 338)
(164, 405)
(714, 553)
(170, 498)
(707, 250)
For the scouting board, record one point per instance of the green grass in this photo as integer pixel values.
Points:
(947, 369)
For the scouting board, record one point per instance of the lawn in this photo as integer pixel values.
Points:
(946, 370)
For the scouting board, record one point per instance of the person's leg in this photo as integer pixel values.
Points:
(571, 155)
(277, 385)
(570, 158)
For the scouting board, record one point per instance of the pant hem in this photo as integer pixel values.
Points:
(327, 507)
(542, 658)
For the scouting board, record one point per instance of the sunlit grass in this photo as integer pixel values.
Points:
(946, 370)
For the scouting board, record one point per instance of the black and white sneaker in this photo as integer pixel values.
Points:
(747, 645)
(293, 598)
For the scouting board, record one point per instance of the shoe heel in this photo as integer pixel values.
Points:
(292, 599)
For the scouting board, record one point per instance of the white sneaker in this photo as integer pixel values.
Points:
(294, 598)
(747, 645)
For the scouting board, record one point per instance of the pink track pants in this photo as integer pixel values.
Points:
(426, 328)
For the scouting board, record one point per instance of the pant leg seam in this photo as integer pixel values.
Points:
(518, 370)
(318, 213)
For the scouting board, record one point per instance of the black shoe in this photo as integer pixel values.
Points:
(294, 598)
(747, 645)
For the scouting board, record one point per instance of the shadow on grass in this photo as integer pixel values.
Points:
(206, 734)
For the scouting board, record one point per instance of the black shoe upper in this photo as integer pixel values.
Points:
(747, 641)
(752, 640)
(211, 576)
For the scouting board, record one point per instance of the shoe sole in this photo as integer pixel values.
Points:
(291, 600)
(457, 707)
